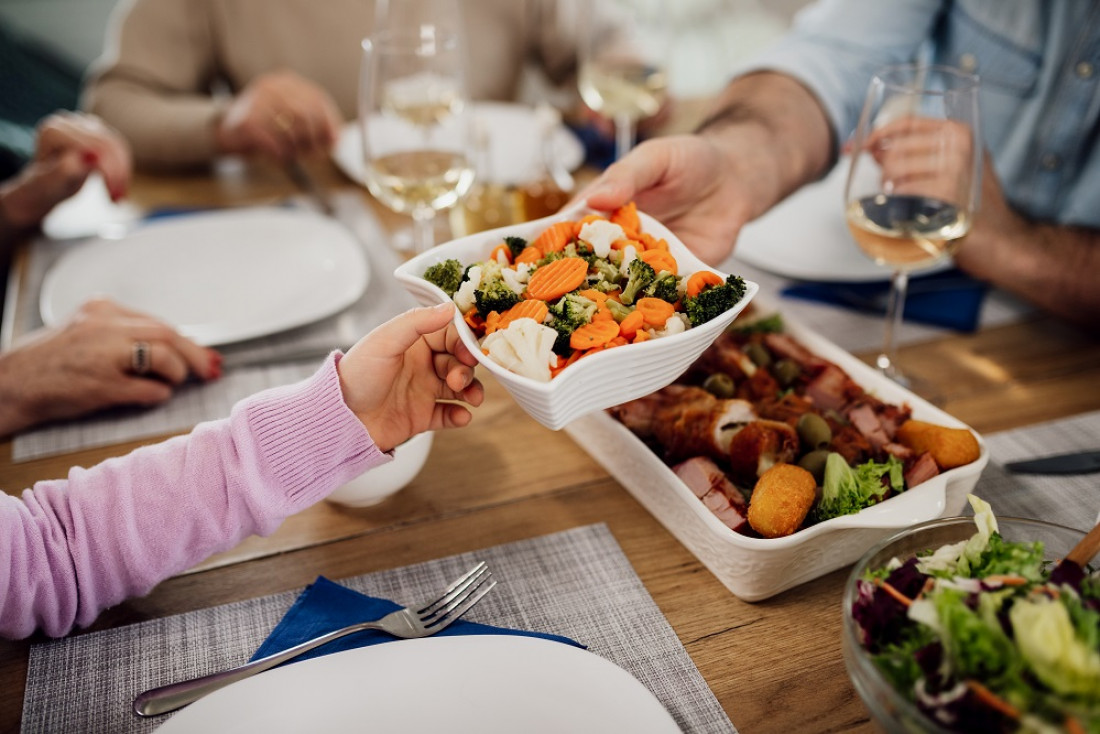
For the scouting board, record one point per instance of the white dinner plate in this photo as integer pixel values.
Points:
(483, 684)
(218, 277)
(514, 145)
(805, 237)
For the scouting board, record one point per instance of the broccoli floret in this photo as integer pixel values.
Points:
(570, 312)
(516, 245)
(494, 295)
(551, 257)
(618, 310)
(665, 287)
(604, 272)
(448, 275)
(715, 300)
(639, 274)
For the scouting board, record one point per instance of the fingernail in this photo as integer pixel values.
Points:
(441, 307)
(90, 157)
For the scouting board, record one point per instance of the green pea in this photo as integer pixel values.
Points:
(720, 385)
(786, 371)
(814, 463)
(759, 354)
(814, 431)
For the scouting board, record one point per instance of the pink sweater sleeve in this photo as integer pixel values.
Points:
(73, 547)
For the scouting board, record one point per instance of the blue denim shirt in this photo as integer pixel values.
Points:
(1039, 64)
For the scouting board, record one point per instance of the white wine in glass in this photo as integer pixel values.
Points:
(914, 179)
(413, 119)
(623, 71)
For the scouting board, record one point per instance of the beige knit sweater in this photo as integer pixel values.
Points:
(164, 60)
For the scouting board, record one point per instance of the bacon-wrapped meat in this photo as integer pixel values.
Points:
(711, 485)
(758, 447)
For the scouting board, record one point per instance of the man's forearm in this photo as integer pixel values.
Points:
(790, 132)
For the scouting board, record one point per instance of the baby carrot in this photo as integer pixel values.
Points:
(595, 334)
(699, 281)
(555, 237)
(556, 278)
(655, 311)
(659, 260)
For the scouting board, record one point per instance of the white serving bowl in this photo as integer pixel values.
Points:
(375, 485)
(757, 568)
(594, 383)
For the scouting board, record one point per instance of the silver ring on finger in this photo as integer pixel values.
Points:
(141, 358)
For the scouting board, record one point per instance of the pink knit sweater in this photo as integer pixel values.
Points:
(70, 548)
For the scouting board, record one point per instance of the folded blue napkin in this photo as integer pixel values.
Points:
(325, 606)
(949, 298)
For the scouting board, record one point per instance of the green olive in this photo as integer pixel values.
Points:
(759, 354)
(786, 371)
(814, 463)
(814, 431)
(719, 385)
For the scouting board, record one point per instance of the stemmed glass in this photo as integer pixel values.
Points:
(915, 175)
(624, 48)
(413, 114)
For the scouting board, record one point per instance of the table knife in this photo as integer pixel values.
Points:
(1076, 462)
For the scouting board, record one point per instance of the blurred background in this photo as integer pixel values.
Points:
(46, 46)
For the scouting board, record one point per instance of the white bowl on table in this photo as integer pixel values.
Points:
(598, 381)
(380, 482)
(757, 568)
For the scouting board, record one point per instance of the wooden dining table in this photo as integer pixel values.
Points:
(774, 665)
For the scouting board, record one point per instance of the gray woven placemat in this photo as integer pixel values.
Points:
(1073, 500)
(576, 583)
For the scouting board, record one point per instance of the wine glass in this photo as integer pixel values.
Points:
(914, 179)
(413, 115)
(623, 75)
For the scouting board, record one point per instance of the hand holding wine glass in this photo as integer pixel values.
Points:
(915, 175)
(413, 114)
(623, 58)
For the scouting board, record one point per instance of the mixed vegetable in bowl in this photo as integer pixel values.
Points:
(580, 287)
(985, 634)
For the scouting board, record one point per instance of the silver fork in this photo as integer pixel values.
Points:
(411, 622)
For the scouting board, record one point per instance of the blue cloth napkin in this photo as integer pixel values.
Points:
(325, 606)
(949, 298)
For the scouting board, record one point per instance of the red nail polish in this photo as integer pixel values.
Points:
(90, 157)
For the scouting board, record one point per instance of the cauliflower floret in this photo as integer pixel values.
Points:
(600, 234)
(630, 254)
(676, 324)
(517, 278)
(464, 297)
(526, 347)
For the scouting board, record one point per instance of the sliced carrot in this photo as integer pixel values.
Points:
(634, 321)
(593, 295)
(898, 596)
(492, 322)
(474, 321)
(659, 260)
(555, 237)
(603, 313)
(589, 218)
(502, 254)
(1006, 579)
(626, 242)
(619, 341)
(532, 309)
(650, 242)
(626, 216)
(595, 334)
(556, 278)
(700, 279)
(529, 255)
(655, 311)
(992, 700)
(642, 336)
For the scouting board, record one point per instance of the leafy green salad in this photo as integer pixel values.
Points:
(985, 635)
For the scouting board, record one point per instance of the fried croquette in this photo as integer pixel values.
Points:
(950, 447)
(781, 499)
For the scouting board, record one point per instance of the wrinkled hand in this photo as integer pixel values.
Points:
(922, 156)
(86, 364)
(689, 184)
(69, 146)
(398, 378)
(281, 115)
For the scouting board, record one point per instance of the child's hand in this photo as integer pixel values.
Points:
(395, 378)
